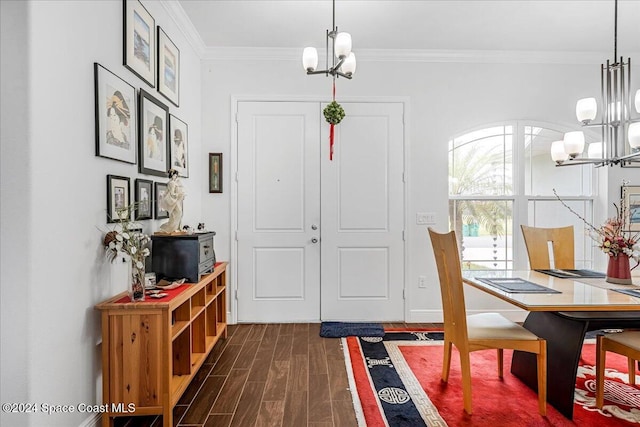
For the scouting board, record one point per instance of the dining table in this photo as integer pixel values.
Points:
(562, 308)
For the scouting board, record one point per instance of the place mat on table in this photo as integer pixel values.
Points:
(568, 274)
(516, 285)
(632, 292)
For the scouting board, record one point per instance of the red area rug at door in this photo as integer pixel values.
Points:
(496, 402)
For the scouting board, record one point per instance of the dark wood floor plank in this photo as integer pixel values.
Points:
(317, 359)
(257, 332)
(286, 329)
(197, 381)
(226, 360)
(300, 339)
(284, 345)
(247, 355)
(231, 391)
(249, 405)
(338, 381)
(276, 385)
(262, 363)
(204, 400)
(295, 409)
(240, 334)
(299, 373)
(219, 420)
(320, 404)
(333, 348)
(178, 413)
(343, 413)
(270, 414)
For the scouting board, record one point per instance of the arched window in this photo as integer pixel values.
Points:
(502, 176)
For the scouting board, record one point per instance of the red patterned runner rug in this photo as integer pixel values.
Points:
(395, 381)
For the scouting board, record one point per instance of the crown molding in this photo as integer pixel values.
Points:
(179, 16)
(412, 55)
(181, 19)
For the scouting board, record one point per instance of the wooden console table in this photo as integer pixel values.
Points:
(152, 349)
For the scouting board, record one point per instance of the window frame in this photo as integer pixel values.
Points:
(519, 198)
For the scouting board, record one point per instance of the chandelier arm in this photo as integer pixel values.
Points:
(346, 76)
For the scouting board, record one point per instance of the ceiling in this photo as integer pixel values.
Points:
(496, 25)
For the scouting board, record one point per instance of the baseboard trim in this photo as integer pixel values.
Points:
(93, 421)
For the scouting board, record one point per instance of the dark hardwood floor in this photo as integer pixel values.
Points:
(268, 375)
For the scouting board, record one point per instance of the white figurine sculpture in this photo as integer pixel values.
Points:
(172, 203)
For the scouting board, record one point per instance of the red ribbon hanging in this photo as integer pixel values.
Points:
(331, 126)
(331, 133)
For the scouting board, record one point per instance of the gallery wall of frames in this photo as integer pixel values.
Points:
(135, 125)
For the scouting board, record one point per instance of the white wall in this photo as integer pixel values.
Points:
(445, 100)
(15, 231)
(53, 187)
(54, 207)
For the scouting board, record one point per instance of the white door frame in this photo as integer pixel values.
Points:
(232, 284)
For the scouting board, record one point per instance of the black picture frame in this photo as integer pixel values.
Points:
(153, 127)
(118, 196)
(168, 68)
(179, 142)
(116, 118)
(139, 41)
(215, 172)
(159, 190)
(143, 196)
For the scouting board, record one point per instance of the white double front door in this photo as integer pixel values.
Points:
(320, 239)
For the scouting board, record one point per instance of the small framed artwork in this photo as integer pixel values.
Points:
(215, 172)
(179, 146)
(160, 190)
(143, 195)
(115, 116)
(168, 68)
(118, 191)
(631, 199)
(139, 41)
(153, 126)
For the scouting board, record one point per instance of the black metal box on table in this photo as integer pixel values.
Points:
(182, 256)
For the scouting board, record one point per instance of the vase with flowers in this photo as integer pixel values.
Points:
(616, 240)
(131, 242)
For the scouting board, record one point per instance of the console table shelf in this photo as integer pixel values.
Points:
(152, 349)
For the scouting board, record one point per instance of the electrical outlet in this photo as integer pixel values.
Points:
(425, 218)
(422, 281)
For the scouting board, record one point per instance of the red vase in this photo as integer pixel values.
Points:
(619, 270)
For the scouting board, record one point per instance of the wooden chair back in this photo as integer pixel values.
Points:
(561, 238)
(445, 249)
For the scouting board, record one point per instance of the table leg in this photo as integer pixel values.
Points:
(565, 334)
(564, 344)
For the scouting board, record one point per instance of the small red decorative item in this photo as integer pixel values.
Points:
(618, 270)
(331, 127)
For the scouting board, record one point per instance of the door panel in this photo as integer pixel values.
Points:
(351, 266)
(363, 216)
(278, 200)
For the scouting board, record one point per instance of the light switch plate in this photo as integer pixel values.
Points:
(425, 218)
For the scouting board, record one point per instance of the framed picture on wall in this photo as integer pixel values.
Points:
(115, 116)
(139, 41)
(143, 194)
(153, 126)
(215, 172)
(118, 191)
(168, 68)
(631, 199)
(179, 159)
(160, 190)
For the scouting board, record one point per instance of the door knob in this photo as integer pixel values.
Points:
(314, 240)
(314, 227)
